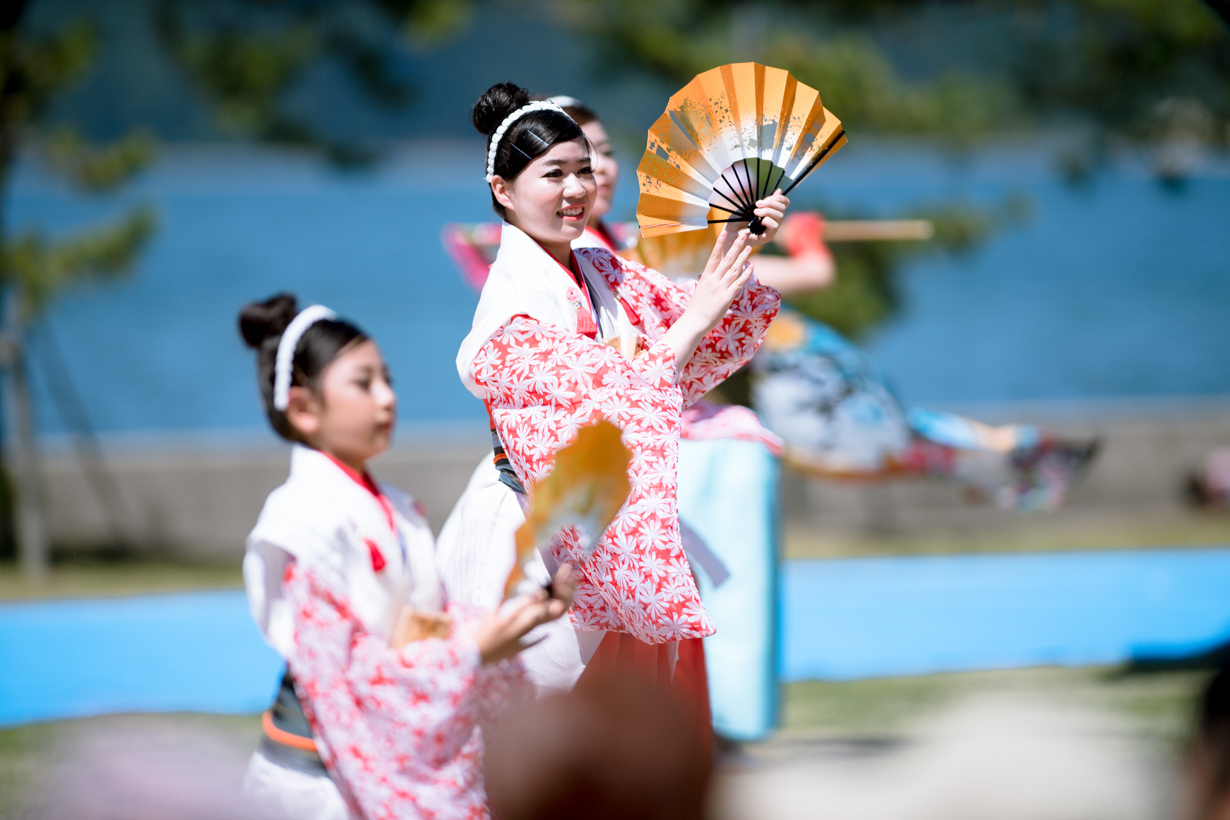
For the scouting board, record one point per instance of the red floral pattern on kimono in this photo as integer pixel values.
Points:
(544, 382)
(397, 729)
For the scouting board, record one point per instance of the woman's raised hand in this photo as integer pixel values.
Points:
(723, 278)
(772, 211)
(499, 633)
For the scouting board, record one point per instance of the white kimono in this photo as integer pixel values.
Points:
(548, 376)
(331, 564)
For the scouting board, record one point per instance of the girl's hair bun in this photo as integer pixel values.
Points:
(496, 104)
(259, 321)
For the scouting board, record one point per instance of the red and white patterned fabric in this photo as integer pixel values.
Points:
(333, 560)
(705, 421)
(542, 380)
(399, 730)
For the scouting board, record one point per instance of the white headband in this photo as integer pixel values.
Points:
(541, 105)
(286, 350)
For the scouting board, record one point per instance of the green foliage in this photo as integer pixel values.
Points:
(248, 57)
(1117, 67)
(42, 267)
(245, 74)
(100, 169)
(33, 69)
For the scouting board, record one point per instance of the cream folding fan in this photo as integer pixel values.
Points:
(732, 136)
(586, 487)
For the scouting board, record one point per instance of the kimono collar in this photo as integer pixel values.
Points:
(365, 480)
(525, 280)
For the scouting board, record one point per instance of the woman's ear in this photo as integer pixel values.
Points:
(303, 411)
(502, 189)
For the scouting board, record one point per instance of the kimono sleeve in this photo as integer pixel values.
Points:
(396, 728)
(543, 384)
(732, 343)
(724, 349)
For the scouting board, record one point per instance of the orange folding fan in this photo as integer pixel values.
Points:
(732, 136)
(587, 486)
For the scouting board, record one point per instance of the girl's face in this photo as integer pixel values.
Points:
(606, 167)
(552, 199)
(352, 412)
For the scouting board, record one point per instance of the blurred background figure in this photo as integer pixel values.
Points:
(1209, 486)
(613, 748)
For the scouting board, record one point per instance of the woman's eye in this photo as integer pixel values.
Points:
(607, 152)
(586, 171)
(364, 384)
(554, 174)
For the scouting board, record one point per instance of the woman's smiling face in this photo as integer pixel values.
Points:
(551, 200)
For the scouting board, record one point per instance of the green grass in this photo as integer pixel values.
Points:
(125, 576)
(1157, 705)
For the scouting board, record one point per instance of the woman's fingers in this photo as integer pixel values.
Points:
(720, 247)
(564, 584)
(740, 244)
(744, 267)
(776, 201)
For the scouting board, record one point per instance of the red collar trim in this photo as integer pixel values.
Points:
(574, 273)
(364, 480)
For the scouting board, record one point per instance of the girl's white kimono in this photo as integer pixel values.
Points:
(536, 357)
(330, 565)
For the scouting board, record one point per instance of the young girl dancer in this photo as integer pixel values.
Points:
(378, 714)
(560, 338)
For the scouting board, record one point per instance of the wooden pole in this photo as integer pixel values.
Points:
(23, 453)
(878, 230)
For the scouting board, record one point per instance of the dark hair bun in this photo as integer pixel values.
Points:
(259, 321)
(494, 106)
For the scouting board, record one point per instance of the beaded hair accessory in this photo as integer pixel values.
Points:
(286, 350)
(537, 105)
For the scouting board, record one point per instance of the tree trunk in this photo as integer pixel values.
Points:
(31, 526)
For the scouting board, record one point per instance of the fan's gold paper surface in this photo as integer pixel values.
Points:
(730, 137)
(586, 488)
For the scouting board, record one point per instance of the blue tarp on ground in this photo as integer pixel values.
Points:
(841, 619)
(873, 617)
(198, 652)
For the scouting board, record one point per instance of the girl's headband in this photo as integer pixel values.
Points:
(529, 108)
(286, 350)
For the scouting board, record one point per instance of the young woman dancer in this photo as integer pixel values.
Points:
(379, 710)
(560, 338)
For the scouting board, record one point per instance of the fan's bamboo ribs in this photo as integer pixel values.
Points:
(878, 230)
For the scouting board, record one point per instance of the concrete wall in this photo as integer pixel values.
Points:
(201, 499)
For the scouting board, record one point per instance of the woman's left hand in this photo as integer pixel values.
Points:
(771, 210)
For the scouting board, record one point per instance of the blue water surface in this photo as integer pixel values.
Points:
(1116, 289)
(841, 619)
